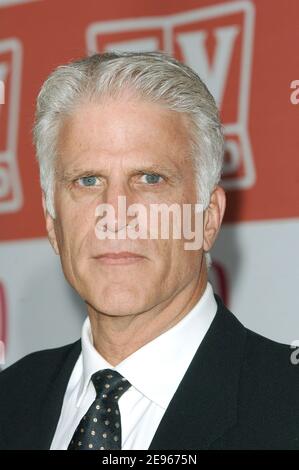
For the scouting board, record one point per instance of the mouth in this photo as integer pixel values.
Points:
(121, 258)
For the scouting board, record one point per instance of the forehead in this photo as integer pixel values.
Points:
(124, 129)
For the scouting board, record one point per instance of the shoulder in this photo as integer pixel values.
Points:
(261, 356)
(264, 362)
(39, 368)
(268, 387)
(272, 369)
(25, 387)
(269, 391)
(269, 358)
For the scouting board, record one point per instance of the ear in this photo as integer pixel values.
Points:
(50, 226)
(213, 216)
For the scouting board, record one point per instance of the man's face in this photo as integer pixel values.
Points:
(130, 148)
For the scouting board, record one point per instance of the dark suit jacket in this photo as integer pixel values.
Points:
(240, 392)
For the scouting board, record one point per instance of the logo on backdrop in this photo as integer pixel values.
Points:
(217, 43)
(294, 98)
(10, 77)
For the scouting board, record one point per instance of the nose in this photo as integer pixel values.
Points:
(114, 204)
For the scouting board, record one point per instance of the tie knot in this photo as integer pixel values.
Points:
(109, 383)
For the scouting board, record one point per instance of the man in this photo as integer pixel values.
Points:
(162, 363)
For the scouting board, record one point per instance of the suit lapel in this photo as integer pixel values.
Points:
(51, 407)
(205, 403)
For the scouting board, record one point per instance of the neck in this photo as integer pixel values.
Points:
(117, 337)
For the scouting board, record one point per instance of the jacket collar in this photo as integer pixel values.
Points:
(205, 404)
(51, 407)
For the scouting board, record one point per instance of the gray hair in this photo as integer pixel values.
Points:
(154, 76)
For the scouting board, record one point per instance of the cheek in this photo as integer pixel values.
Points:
(174, 265)
(74, 230)
(180, 261)
(168, 254)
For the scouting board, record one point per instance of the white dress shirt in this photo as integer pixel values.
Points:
(154, 371)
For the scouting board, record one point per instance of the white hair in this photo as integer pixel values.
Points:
(154, 76)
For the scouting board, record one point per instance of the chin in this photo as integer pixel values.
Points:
(118, 301)
(114, 309)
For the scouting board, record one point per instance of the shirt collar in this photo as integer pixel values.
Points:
(157, 368)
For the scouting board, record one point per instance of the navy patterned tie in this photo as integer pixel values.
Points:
(100, 428)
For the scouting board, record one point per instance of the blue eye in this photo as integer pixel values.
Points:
(151, 178)
(88, 181)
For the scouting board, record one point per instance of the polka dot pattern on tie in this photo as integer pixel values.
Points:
(100, 428)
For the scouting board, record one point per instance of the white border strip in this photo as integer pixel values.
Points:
(11, 3)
